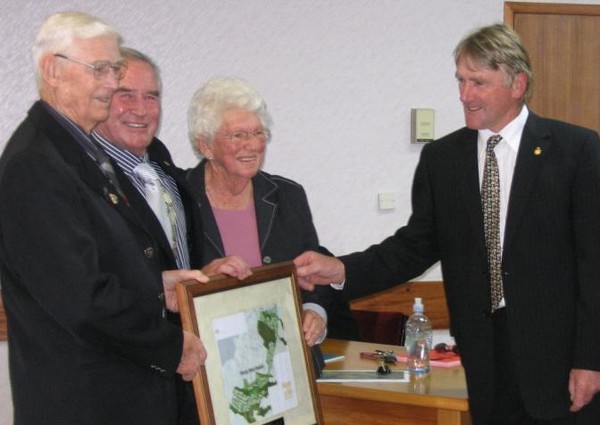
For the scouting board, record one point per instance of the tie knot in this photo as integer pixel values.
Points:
(146, 173)
(493, 141)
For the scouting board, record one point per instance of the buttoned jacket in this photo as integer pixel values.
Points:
(284, 220)
(550, 260)
(82, 288)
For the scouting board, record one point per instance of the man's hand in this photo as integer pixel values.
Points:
(193, 356)
(231, 265)
(583, 386)
(313, 326)
(316, 269)
(171, 277)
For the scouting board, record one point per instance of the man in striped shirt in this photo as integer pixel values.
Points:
(128, 136)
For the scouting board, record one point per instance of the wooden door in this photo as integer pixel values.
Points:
(563, 41)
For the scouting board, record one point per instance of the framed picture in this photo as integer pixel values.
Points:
(258, 369)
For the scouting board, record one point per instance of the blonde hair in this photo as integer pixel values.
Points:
(498, 47)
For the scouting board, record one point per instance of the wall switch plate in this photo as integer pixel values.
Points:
(422, 125)
(386, 200)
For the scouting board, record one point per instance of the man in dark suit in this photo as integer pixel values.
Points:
(83, 286)
(531, 352)
(128, 136)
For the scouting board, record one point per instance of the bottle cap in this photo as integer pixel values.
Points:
(418, 305)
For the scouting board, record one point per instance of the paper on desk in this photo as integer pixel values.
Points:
(328, 358)
(437, 359)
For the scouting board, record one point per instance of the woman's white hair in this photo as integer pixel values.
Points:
(213, 99)
(58, 32)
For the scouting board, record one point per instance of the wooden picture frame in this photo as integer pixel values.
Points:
(258, 369)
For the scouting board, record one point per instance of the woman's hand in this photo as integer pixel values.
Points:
(231, 265)
(314, 327)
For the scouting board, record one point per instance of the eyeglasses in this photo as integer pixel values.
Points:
(101, 68)
(242, 136)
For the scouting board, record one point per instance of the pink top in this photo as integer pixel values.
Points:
(239, 233)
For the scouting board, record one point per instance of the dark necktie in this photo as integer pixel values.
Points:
(490, 199)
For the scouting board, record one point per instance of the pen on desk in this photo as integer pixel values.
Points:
(386, 356)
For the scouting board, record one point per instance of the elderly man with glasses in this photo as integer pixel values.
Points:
(81, 277)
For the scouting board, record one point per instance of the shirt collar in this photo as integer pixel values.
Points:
(125, 159)
(512, 132)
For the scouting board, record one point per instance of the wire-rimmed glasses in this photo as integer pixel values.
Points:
(101, 68)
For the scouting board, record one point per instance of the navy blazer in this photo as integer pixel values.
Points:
(284, 221)
(551, 258)
(82, 288)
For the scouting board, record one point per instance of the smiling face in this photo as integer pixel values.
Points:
(134, 110)
(73, 89)
(237, 159)
(490, 100)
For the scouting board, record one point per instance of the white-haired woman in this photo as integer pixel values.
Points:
(247, 212)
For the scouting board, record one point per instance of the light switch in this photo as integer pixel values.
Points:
(386, 200)
(422, 125)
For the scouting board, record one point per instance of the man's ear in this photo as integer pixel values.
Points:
(519, 85)
(49, 69)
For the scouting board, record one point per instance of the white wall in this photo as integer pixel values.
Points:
(340, 78)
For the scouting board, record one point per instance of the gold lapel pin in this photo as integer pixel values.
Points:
(537, 151)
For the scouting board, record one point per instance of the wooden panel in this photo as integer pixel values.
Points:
(349, 411)
(563, 42)
(3, 325)
(401, 298)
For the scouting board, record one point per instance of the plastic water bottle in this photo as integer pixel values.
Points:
(418, 339)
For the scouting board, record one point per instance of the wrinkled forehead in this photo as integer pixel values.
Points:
(104, 47)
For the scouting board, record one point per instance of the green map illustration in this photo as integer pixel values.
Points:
(256, 365)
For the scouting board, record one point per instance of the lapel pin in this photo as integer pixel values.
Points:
(537, 151)
(113, 198)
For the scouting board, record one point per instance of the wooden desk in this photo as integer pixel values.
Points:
(441, 398)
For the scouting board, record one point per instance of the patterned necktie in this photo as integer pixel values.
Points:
(155, 196)
(490, 199)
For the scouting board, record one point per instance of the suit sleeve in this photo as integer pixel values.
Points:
(402, 256)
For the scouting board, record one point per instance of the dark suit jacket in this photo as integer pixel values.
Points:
(82, 289)
(159, 153)
(285, 230)
(551, 258)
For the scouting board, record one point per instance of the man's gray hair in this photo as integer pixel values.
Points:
(58, 32)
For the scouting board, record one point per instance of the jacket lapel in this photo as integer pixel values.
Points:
(195, 183)
(469, 179)
(145, 217)
(81, 163)
(265, 203)
(534, 148)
